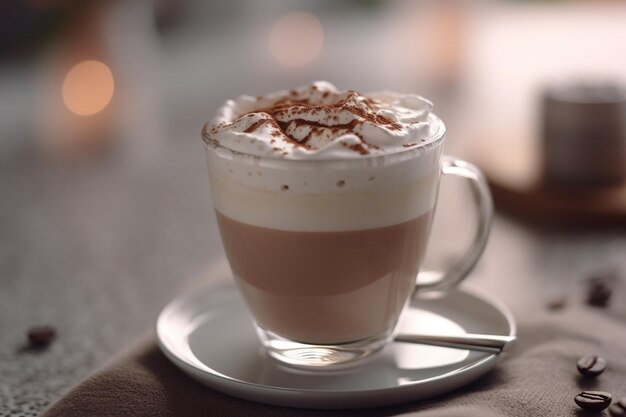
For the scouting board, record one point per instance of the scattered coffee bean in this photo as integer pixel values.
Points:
(41, 336)
(593, 400)
(599, 293)
(619, 408)
(591, 365)
(556, 304)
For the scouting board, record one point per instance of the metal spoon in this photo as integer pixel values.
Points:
(481, 342)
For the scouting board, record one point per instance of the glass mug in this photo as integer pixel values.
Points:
(326, 252)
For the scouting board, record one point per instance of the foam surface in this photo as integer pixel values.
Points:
(310, 193)
(318, 121)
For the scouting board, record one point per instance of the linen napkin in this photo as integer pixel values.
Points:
(538, 379)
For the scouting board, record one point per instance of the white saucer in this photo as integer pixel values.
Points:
(209, 335)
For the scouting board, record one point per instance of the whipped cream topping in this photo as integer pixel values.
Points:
(318, 121)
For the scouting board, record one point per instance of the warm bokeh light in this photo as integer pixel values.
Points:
(296, 39)
(88, 87)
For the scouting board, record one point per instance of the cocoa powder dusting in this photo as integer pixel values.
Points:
(359, 148)
(291, 113)
(374, 118)
(254, 126)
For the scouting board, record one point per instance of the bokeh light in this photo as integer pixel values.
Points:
(296, 39)
(88, 87)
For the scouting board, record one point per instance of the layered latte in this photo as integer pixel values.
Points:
(324, 200)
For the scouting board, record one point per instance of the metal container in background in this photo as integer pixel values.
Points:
(583, 129)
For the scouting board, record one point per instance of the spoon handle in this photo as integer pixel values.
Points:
(480, 342)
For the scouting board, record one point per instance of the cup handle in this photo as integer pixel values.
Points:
(436, 281)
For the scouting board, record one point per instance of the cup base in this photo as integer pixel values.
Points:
(327, 357)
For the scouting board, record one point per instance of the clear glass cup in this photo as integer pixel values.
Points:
(326, 252)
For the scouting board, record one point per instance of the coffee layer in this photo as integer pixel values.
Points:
(326, 287)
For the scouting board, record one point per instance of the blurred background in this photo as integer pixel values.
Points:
(162, 66)
(105, 211)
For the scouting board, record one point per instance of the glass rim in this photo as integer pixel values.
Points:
(433, 141)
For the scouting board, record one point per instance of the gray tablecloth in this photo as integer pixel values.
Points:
(538, 379)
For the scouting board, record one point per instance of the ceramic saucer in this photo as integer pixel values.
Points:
(209, 335)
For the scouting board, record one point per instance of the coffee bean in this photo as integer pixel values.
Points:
(599, 293)
(591, 365)
(41, 336)
(593, 400)
(619, 408)
(556, 304)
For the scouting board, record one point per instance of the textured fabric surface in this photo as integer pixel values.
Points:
(538, 379)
